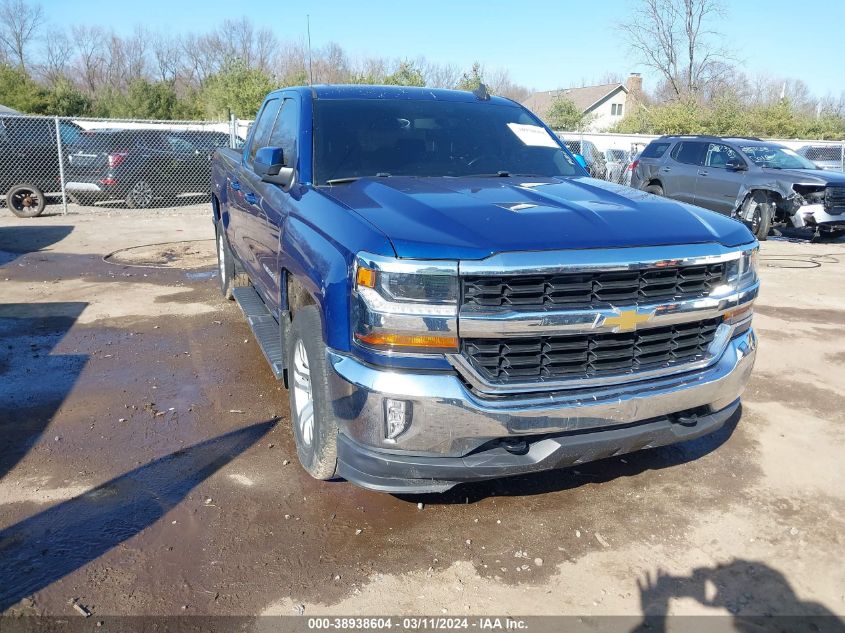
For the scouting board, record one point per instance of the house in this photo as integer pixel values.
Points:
(605, 104)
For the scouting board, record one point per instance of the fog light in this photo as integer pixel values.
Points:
(397, 416)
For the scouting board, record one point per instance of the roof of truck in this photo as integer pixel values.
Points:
(360, 91)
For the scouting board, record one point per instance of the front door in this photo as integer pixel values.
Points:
(720, 179)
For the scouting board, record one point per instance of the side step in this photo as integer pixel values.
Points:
(264, 327)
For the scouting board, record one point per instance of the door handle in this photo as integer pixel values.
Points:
(666, 169)
(251, 198)
(236, 185)
(703, 173)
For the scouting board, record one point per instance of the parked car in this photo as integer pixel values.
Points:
(29, 161)
(451, 298)
(830, 157)
(138, 166)
(596, 162)
(630, 167)
(760, 182)
(617, 161)
(206, 140)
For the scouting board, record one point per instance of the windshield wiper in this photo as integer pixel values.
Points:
(499, 174)
(348, 179)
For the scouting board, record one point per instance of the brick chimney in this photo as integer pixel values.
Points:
(634, 84)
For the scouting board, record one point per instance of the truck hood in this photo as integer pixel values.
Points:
(472, 218)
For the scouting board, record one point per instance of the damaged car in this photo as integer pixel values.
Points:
(762, 183)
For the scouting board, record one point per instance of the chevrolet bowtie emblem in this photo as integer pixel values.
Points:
(627, 321)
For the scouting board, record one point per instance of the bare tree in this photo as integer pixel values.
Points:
(87, 41)
(499, 82)
(19, 21)
(57, 56)
(166, 58)
(440, 75)
(673, 38)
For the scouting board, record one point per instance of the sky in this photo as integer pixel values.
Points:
(544, 44)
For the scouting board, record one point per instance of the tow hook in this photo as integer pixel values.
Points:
(515, 446)
(688, 417)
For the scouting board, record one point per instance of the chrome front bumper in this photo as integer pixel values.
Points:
(450, 420)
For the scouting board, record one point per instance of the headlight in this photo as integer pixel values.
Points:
(740, 273)
(405, 306)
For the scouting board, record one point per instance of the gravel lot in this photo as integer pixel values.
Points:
(147, 467)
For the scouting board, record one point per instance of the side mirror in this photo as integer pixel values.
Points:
(269, 165)
(736, 165)
(580, 160)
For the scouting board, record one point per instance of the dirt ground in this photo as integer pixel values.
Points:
(147, 465)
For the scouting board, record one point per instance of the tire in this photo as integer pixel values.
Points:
(227, 268)
(756, 213)
(657, 190)
(316, 444)
(26, 201)
(140, 195)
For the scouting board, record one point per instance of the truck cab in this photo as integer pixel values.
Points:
(450, 297)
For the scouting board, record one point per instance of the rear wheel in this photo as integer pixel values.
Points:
(26, 201)
(141, 195)
(227, 268)
(757, 212)
(657, 190)
(314, 424)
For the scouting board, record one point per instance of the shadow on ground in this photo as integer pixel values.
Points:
(19, 240)
(739, 587)
(591, 473)
(40, 550)
(34, 380)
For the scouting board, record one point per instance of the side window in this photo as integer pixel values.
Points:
(70, 133)
(655, 150)
(689, 153)
(719, 156)
(180, 145)
(284, 132)
(262, 128)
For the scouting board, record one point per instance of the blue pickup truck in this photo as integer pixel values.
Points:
(450, 297)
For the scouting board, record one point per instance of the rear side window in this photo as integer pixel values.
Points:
(654, 150)
(689, 153)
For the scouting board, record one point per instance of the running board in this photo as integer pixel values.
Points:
(265, 328)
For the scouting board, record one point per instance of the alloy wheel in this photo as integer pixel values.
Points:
(302, 394)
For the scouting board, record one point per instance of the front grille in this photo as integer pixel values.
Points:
(834, 197)
(589, 355)
(592, 289)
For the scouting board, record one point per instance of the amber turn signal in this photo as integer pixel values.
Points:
(378, 339)
(738, 314)
(365, 277)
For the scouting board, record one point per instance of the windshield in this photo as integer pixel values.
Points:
(776, 157)
(616, 155)
(368, 137)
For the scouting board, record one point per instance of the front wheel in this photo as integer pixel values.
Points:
(26, 201)
(314, 424)
(757, 212)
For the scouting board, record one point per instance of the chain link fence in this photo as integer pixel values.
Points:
(107, 162)
(122, 163)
